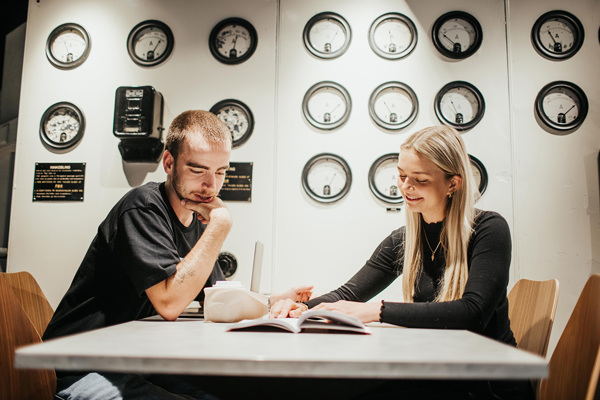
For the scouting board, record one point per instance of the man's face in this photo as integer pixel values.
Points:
(199, 171)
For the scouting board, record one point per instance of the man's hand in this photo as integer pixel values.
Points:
(365, 312)
(298, 293)
(215, 210)
(287, 308)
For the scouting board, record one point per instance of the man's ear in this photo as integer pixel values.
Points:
(168, 162)
(455, 184)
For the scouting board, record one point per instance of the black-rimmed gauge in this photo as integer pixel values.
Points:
(326, 105)
(383, 179)
(326, 178)
(479, 173)
(62, 125)
(327, 35)
(457, 34)
(460, 105)
(233, 40)
(393, 105)
(393, 36)
(562, 106)
(68, 46)
(557, 35)
(150, 43)
(238, 118)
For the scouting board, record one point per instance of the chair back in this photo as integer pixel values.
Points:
(16, 330)
(575, 362)
(531, 310)
(32, 299)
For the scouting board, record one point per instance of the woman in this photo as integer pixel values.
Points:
(454, 259)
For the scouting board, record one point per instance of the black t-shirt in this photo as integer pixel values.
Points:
(138, 245)
(483, 307)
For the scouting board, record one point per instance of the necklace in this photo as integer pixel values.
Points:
(432, 250)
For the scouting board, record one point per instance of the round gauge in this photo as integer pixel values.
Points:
(562, 106)
(457, 34)
(393, 36)
(557, 35)
(326, 178)
(62, 125)
(383, 179)
(150, 43)
(327, 35)
(238, 118)
(228, 264)
(326, 105)
(460, 105)
(393, 105)
(68, 46)
(233, 41)
(479, 173)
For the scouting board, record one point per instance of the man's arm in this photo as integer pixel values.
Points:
(171, 296)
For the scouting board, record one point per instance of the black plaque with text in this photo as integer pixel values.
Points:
(238, 182)
(58, 182)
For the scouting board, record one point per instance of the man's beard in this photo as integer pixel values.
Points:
(178, 188)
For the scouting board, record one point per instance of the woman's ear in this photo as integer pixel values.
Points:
(455, 184)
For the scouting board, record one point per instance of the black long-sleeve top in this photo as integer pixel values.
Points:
(483, 307)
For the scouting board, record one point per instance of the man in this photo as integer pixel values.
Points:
(154, 253)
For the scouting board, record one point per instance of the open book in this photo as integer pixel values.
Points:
(310, 321)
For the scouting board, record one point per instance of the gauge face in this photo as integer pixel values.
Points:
(327, 105)
(238, 118)
(557, 35)
(457, 35)
(62, 125)
(383, 179)
(327, 35)
(479, 173)
(326, 178)
(150, 43)
(393, 36)
(233, 41)
(68, 46)
(393, 105)
(562, 106)
(460, 105)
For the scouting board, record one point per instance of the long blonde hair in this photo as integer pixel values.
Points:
(444, 147)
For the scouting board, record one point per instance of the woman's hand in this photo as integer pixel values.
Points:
(287, 308)
(298, 293)
(365, 312)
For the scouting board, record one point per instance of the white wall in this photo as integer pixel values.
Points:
(545, 185)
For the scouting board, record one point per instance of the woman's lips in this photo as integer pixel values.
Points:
(413, 199)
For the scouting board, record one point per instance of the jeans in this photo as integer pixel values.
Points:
(110, 386)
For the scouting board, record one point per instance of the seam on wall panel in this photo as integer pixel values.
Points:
(515, 219)
(275, 146)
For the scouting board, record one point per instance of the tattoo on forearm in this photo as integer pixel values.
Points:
(186, 270)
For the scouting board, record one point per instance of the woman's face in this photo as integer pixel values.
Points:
(424, 186)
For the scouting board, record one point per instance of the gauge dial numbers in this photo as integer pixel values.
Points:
(393, 36)
(393, 105)
(327, 35)
(62, 125)
(479, 173)
(457, 35)
(460, 105)
(68, 46)
(150, 43)
(557, 35)
(238, 118)
(383, 179)
(326, 105)
(326, 178)
(233, 41)
(561, 106)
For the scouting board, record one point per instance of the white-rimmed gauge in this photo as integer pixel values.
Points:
(393, 105)
(326, 105)
(383, 179)
(460, 105)
(326, 178)
(393, 36)
(327, 35)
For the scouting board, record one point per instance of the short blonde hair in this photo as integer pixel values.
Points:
(196, 122)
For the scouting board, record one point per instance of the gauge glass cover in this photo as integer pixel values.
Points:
(457, 35)
(68, 46)
(327, 35)
(460, 105)
(233, 41)
(393, 36)
(383, 179)
(238, 118)
(327, 105)
(562, 106)
(326, 178)
(557, 35)
(150, 43)
(62, 125)
(393, 105)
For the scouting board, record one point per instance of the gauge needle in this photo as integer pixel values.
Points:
(551, 37)
(333, 109)
(453, 106)
(566, 112)
(386, 106)
(448, 39)
(235, 41)
(331, 181)
(157, 43)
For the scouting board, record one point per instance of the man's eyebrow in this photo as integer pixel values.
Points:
(196, 165)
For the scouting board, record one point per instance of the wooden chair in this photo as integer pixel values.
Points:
(32, 299)
(575, 362)
(16, 330)
(531, 310)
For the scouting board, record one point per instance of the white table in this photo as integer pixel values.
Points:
(194, 347)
